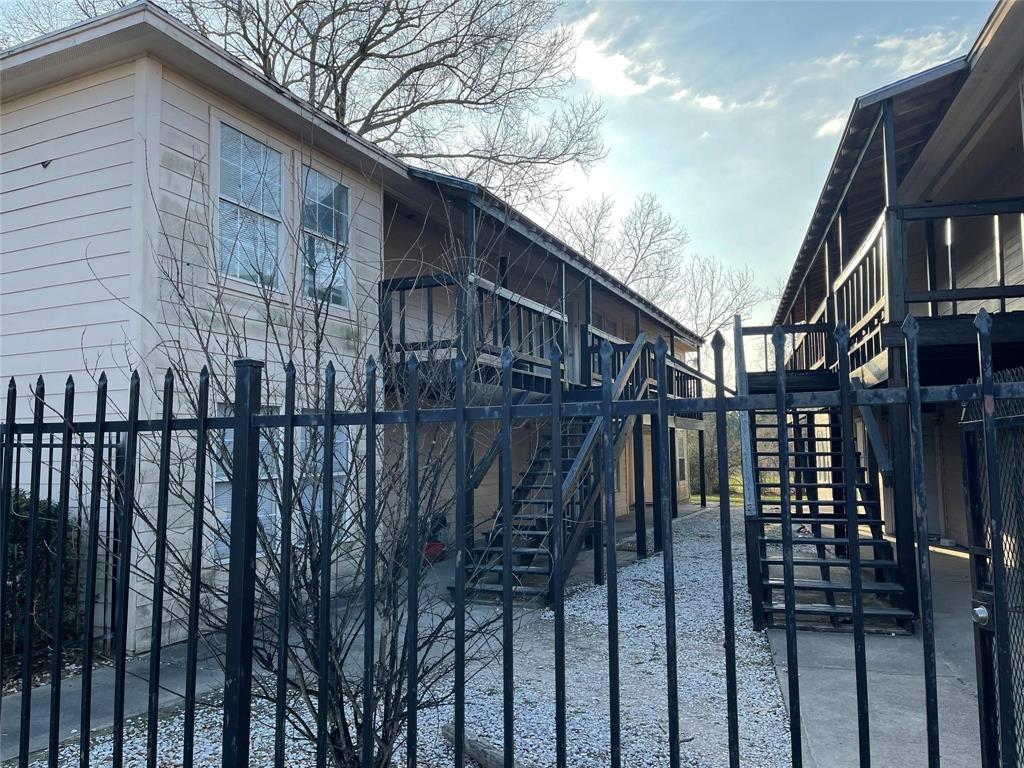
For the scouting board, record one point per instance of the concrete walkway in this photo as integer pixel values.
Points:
(895, 685)
(209, 677)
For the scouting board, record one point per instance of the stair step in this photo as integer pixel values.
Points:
(821, 502)
(498, 568)
(521, 551)
(817, 585)
(880, 612)
(818, 520)
(830, 486)
(839, 562)
(862, 540)
(517, 589)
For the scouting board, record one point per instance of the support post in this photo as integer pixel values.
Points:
(242, 565)
(639, 502)
(896, 311)
(673, 472)
(656, 500)
(701, 456)
(586, 376)
(750, 523)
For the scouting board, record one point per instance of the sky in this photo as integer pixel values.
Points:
(731, 112)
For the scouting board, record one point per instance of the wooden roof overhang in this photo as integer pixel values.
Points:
(855, 185)
(509, 219)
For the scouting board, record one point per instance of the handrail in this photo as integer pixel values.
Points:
(572, 477)
(866, 244)
(584, 457)
(517, 298)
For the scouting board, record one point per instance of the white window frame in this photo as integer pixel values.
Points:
(346, 245)
(287, 195)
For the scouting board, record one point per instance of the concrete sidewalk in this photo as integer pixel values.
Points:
(828, 699)
(209, 676)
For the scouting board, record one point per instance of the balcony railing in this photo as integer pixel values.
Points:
(421, 314)
(972, 253)
(683, 381)
(860, 295)
(959, 257)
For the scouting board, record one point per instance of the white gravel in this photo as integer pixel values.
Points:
(701, 660)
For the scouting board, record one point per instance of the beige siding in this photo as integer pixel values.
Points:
(65, 231)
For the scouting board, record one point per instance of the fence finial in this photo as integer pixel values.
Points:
(983, 321)
(718, 341)
(910, 326)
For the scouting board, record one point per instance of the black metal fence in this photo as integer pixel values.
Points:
(111, 487)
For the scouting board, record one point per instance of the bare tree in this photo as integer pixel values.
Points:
(292, 323)
(647, 251)
(476, 88)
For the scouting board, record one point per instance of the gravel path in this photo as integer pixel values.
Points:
(702, 696)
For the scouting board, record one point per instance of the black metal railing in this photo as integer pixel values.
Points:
(163, 507)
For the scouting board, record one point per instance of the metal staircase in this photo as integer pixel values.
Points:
(818, 516)
(532, 515)
(532, 519)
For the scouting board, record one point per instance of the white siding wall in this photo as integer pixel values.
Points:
(88, 241)
(66, 231)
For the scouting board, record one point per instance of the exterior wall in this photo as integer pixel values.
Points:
(105, 244)
(67, 272)
(181, 272)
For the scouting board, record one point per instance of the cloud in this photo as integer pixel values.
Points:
(916, 50)
(704, 136)
(715, 103)
(612, 73)
(831, 66)
(833, 126)
(709, 101)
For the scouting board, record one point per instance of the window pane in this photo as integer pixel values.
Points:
(248, 245)
(325, 208)
(250, 172)
(326, 272)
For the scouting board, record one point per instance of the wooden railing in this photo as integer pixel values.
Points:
(421, 314)
(683, 381)
(802, 344)
(972, 254)
(860, 295)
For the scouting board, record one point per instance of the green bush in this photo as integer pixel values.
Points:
(16, 583)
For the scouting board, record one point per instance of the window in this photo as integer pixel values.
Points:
(249, 208)
(310, 452)
(682, 474)
(325, 238)
(269, 474)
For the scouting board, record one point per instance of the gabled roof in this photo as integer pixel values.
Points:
(145, 28)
